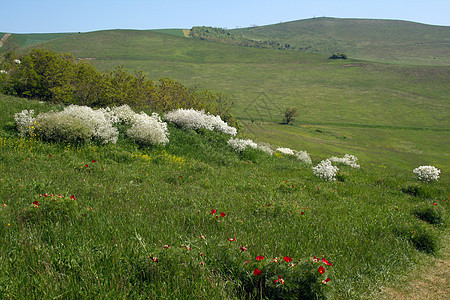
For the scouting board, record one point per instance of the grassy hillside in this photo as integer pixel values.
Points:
(390, 113)
(181, 221)
(20, 41)
(366, 39)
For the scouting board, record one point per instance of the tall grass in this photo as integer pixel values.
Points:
(142, 223)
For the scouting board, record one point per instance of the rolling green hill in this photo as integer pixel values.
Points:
(366, 39)
(388, 113)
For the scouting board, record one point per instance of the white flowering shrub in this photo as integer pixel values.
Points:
(59, 127)
(349, 160)
(148, 130)
(427, 173)
(240, 145)
(325, 170)
(95, 119)
(304, 157)
(286, 151)
(120, 114)
(266, 148)
(194, 119)
(24, 122)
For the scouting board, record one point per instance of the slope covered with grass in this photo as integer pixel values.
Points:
(366, 39)
(197, 219)
(388, 113)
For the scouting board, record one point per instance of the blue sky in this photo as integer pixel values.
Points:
(37, 16)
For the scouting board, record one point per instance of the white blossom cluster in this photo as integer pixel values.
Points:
(144, 128)
(240, 145)
(194, 119)
(95, 119)
(427, 173)
(150, 130)
(349, 160)
(3, 72)
(17, 61)
(24, 121)
(325, 170)
(304, 157)
(120, 114)
(287, 151)
(266, 148)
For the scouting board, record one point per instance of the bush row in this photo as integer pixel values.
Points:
(61, 78)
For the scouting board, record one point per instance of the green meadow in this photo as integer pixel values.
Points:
(388, 113)
(196, 219)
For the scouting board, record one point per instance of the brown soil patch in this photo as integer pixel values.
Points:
(4, 38)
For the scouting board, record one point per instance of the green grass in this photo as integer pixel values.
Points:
(391, 114)
(366, 39)
(142, 199)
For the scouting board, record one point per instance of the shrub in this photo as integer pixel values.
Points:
(427, 173)
(194, 119)
(304, 157)
(325, 170)
(95, 119)
(286, 151)
(148, 130)
(240, 145)
(338, 56)
(24, 122)
(349, 160)
(59, 127)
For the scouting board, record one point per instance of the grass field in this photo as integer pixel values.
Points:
(392, 117)
(131, 202)
(390, 113)
(391, 41)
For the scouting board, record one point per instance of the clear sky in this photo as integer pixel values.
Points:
(38, 16)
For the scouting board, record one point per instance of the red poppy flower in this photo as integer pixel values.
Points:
(315, 259)
(90, 208)
(36, 204)
(248, 261)
(257, 272)
(4, 205)
(279, 280)
(231, 239)
(259, 258)
(86, 166)
(154, 259)
(243, 248)
(325, 281)
(213, 211)
(94, 161)
(326, 262)
(222, 214)
(166, 246)
(72, 197)
(287, 259)
(321, 270)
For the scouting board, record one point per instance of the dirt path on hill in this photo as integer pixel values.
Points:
(429, 282)
(4, 38)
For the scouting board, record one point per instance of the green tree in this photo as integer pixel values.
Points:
(290, 113)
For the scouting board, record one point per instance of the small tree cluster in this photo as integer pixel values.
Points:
(63, 79)
(338, 56)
